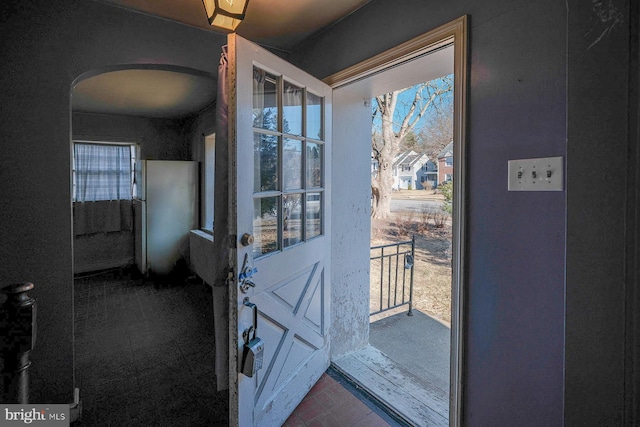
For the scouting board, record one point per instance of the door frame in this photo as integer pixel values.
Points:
(455, 32)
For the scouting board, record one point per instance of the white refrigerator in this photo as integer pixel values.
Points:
(165, 210)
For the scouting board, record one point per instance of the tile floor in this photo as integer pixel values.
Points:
(333, 402)
(144, 356)
(144, 353)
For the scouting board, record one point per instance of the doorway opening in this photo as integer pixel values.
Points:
(411, 247)
(443, 52)
(142, 337)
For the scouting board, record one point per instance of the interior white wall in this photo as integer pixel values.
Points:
(350, 207)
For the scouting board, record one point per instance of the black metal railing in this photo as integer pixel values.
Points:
(392, 269)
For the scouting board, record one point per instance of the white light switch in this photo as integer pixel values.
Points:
(544, 174)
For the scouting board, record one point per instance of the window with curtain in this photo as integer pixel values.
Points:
(103, 171)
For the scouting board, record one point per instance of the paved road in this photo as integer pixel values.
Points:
(415, 205)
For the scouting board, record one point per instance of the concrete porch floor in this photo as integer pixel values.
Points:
(406, 367)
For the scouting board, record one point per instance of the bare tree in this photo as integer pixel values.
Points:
(385, 147)
(437, 131)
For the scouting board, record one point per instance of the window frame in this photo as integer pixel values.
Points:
(306, 189)
(208, 172)
(134, 155)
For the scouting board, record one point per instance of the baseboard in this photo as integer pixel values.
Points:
(102, 265)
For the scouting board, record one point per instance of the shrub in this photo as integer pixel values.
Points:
(447, 191)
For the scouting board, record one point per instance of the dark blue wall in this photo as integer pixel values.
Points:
(515, 288)
(602, 211)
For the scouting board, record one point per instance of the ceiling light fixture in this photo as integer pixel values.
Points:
(225, 14)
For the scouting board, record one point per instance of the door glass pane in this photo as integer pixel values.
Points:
(314, 116)
(292, 109)
(265, 225)
(314, 215)
(314, 165)
(265, 162)
(265, 100)
(292, 219)
(292, 164)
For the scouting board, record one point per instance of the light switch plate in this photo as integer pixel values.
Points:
(543, 174)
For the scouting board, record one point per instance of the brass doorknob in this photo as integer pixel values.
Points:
(246, 239)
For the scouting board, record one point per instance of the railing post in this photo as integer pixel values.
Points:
(17, 338)
(381, 274)
(413, 257)
(408, 265)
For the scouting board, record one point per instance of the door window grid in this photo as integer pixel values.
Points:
(288, 164)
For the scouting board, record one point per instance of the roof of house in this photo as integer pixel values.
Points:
(408, 158)
(446, 151)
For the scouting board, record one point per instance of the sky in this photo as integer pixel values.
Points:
(403, 104)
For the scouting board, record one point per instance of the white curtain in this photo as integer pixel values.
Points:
(292, 96)
(104, 216)
(102, 172)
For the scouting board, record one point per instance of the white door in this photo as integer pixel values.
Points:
(279, 191)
